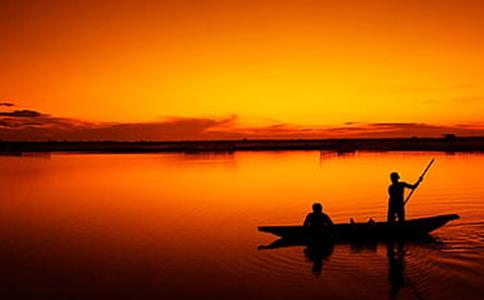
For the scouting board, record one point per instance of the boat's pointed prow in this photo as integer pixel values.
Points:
(448, 218)
(444, 218)
(453, 217)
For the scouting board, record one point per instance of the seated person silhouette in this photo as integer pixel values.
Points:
(316, 220)
(396, 205)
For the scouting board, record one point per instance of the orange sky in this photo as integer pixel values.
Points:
(310, 64)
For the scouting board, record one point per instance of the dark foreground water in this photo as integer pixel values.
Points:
(178, 226)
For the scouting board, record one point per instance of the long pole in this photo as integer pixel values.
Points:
(421, 177)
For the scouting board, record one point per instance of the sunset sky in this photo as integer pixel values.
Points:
(228, 69)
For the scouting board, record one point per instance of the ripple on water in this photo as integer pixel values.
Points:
(422, 266)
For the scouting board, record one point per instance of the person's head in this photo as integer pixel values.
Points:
(317, 207)
(394, 177)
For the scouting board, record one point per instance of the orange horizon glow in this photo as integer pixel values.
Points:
(308, 65)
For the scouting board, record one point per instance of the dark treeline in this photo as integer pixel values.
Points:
(447, 144)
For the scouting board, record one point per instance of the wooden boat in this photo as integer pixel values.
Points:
(364, 231)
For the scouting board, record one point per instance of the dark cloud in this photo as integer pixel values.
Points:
(31, 125)
(15, 122)
(379, 130)
(363, 130)
(8, 104)
(22, 113)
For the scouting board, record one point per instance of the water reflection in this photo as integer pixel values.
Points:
(396, 266)
(319, 252)
(103, 226)
(397, 255)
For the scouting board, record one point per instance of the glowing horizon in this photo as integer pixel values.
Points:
(309, 64)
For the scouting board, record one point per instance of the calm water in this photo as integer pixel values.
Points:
(178, 226)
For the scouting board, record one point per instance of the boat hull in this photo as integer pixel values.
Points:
(365, 231)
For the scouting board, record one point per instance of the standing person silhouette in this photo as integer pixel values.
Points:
(396, 205)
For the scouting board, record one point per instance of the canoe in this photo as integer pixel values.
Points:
(365, 231)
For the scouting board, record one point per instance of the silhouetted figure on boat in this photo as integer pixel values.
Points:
(317, 220)
(396, 205)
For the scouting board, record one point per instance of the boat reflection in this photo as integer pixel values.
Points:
(317, 252)
(396, 266)
(396, 253)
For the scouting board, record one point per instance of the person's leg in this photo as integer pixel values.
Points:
(391, 214)
(401, 214)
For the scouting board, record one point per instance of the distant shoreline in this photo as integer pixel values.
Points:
(447, 144)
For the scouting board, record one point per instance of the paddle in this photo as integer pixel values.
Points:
(421, 176)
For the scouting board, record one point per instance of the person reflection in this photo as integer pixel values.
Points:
(317, 252)
(396, 267)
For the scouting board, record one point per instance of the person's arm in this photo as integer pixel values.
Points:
(413, 186)
(329, 222)
(306, 221)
